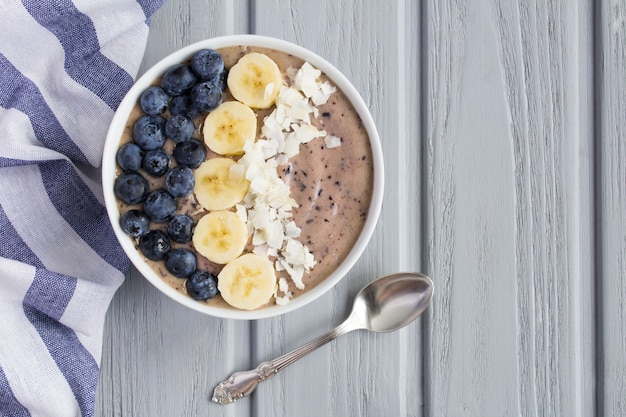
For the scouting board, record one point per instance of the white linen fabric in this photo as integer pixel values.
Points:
(64, 68)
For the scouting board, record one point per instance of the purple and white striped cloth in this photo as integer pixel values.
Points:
(64, 67)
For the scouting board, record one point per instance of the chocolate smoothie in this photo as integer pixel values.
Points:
(332, 186)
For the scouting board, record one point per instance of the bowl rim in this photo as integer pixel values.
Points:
(118, 124)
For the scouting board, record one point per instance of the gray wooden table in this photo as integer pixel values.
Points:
(503, 125)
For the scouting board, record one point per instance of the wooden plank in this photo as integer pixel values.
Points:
(510, 183)
(180, 23)
(162, 359)
(376, 45)
(159, 358)
(611, 205)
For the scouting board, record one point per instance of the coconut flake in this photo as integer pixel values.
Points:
(237, 172)
(283, 287)
(281, 301)
(306, 133)
(306, 79)
(332, 141)
(292, 230)
(241, 212)
(269, 89)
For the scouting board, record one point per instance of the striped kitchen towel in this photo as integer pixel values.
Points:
(64, 67)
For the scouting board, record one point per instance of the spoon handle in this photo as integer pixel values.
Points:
(241, 384)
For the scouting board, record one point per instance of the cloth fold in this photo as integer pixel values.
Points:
(64, 68)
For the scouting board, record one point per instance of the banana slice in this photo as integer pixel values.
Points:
(255, 80)
(227, 128)
(219, 184)
(247, 282)
(220, 236)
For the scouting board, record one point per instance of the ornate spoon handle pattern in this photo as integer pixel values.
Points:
(241, 384)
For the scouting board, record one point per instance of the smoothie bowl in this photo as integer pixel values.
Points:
(243, 176)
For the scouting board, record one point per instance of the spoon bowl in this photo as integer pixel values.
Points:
(393, 301)
(384, 305)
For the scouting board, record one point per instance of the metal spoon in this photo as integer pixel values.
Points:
(384, 305)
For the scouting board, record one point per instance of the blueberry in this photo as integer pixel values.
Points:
(207, 64)
(180, 228)
(154, 100)
(156, 162)
(149, 132)
(178, 79)
(202, 285)
(180, 181)
(178, 105)
(190, 153)
(179, 128)
(206, 96)
(129, 157)
(182, 105)
(155, 245)
(181, 262)
(135, 223)
(131, 187)
(159, 206)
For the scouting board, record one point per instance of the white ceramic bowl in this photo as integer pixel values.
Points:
(119, 122)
